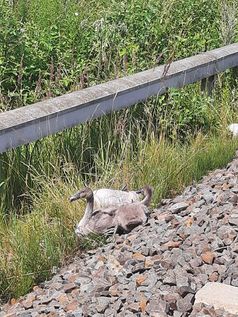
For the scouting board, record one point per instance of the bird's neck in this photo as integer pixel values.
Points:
(88, 211)
(146, 201)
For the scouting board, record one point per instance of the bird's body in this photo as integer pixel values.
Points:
(124, 217)
(129, 216)
(99, 222)
(105, 197)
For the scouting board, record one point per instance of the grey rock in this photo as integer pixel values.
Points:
(181, 278)
(102, 303)
(83, 280)
(196, 262)
(235, 189)
(234, 282)
(157, 306)
(78, 313)
(178, 314)
(170, 278)
(117, 305)
(25, 314)
(199, 204)
(87, 288)
(184, 290)
(208, 197)
(184, 304)
(225, 232)
(110, 312)
(203, 278)
(233, 220)
(176, 208)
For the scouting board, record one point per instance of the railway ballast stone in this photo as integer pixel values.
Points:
(190, 242)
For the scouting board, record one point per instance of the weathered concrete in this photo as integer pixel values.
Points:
(220, 296)
(33, 122)
(233, 128)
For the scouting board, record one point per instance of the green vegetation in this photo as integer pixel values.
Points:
(50, 47)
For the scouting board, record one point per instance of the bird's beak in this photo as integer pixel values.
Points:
(139, 191)
(75, 197)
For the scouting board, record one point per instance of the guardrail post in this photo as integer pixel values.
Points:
(207, 85)
(235, 72)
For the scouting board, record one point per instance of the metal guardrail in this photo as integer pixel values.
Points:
(33, 122)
